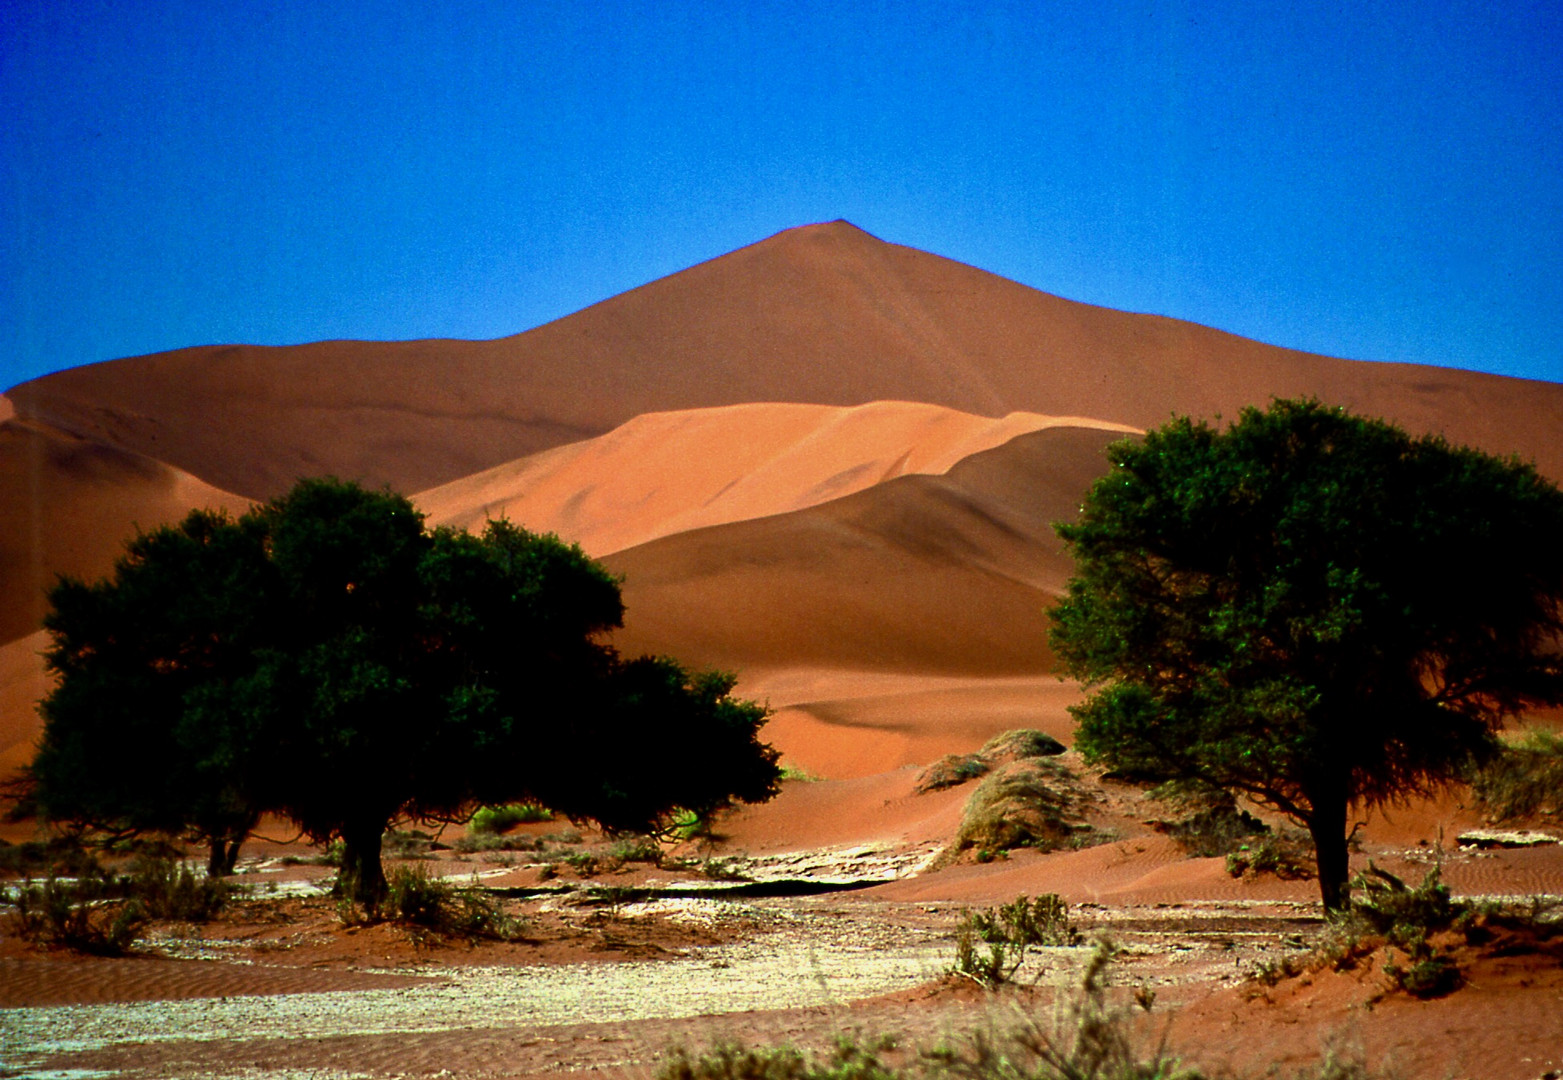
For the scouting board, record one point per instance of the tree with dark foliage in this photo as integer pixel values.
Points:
(137, 735)
(351, 667)
(1311, 608)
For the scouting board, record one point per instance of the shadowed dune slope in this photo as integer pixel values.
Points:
(823, 314)
(67, 505)
(936, 574)
(23, 683)
(664, 473)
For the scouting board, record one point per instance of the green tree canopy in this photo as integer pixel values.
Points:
(1311, 608)
(329, 659)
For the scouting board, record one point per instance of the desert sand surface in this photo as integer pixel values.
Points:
(665, 473)
(831, 465)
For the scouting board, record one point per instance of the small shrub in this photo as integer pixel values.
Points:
(1522, 779)
(1390, 907)
(474, 843)
(1007, 932)
(583, 862)
(689, 825)
(723, 869)
(86, 915)
(496, 819)
(63, 855)
(172, 891)
(636, 849)
(407, 844)
(1286, 855)
(849, 1059)
(798, 773)
(415, 898)
(1217, 830)
(950, 771)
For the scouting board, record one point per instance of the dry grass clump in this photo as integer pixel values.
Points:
(1017, 744)
(950, 770)
(1032, 804)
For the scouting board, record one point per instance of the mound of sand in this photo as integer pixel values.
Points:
(940, 574)
(67, 505)
(665, 473)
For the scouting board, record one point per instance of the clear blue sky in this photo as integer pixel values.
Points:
(1373, 180)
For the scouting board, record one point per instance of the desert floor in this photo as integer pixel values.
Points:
(812, 915)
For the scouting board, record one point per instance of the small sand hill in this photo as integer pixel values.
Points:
(824, 314)
(67, 505)
(931, 574)
(665, 473)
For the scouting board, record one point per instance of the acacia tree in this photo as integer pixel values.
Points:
(137, 735)
(375, 669)
(1311, 608)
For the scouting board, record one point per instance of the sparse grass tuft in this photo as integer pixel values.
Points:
(1008, 931)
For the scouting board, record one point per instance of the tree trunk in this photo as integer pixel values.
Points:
(217, 862)
(1327, 824)
(361, 878)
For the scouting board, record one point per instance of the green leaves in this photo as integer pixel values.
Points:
(1309, 605)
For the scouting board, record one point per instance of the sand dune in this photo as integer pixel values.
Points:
(948, 574)
(824, 314)
(67, 505)
(664, 473)
(23, 683)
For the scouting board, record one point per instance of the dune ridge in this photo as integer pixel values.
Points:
(68, 504)
(664, 473)
(823, 314)
(946, 574)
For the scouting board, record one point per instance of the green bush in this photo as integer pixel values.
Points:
(1523, 779)
(496, 819)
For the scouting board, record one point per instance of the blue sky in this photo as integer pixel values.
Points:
(1377, 181)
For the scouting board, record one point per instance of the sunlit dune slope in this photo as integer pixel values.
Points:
(824, 314)
(664, 473)
(67, 506)
(947, 574)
